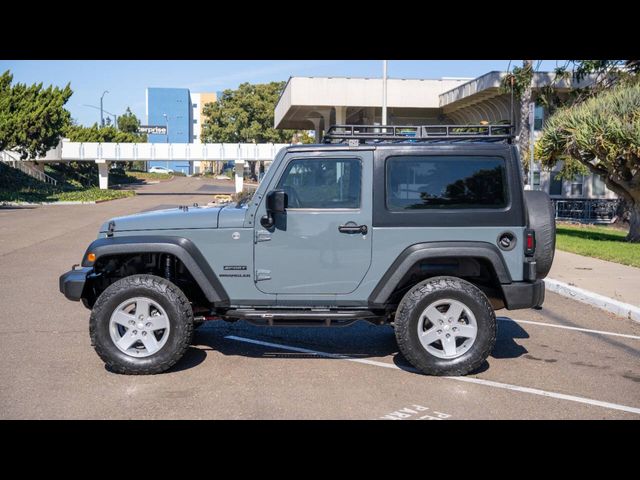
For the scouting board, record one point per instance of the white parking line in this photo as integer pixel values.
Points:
(479, 381)
(601, 332)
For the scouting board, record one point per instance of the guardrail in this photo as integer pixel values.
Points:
(16, 163)
(587, 210)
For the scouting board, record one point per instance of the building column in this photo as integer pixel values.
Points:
(341, 115)
(103, 174)
(326, 116)
(239, 169)
(316, 128)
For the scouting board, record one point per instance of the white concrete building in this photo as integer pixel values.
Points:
(318, 102)
(198, 101)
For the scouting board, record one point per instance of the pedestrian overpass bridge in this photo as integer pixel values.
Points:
(105, 153)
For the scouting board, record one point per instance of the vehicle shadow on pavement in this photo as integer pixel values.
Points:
(506, 346)
(361, 340)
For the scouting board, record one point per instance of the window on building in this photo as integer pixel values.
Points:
(432, 182)
(576, 187)
(326, 183)
(195, 121)
(597, 186)
(195, 105)
(195, 137)
(538, 117)
(555, 185)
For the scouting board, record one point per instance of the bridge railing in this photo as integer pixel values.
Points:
(87, 151)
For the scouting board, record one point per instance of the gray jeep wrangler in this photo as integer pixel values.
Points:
(426, 228)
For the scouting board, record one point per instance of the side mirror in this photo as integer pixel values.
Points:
(277, 202)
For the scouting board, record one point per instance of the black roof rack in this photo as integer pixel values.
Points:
(412, 133)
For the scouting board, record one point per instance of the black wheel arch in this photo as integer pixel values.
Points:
(181, 248)
(414, 254)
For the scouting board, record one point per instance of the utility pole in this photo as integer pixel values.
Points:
(101, 109)
(384, 92)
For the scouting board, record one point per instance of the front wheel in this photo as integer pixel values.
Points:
(445, 326)
(141, 325)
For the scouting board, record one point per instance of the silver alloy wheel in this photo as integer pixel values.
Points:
(139, 327)
(447, 328)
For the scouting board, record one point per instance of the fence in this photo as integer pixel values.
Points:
(587, 210)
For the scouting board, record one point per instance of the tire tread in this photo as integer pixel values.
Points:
(402, 325)
(173, 295)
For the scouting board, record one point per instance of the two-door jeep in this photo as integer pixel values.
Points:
(427, 228)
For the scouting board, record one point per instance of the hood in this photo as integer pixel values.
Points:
(170, 219)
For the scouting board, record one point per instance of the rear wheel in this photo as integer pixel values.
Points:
(141, 324)
(445, 326)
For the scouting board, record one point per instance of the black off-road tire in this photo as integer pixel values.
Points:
(542, 219)
(178, 310)
(413, 304)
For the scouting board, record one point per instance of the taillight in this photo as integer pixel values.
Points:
(530, 242)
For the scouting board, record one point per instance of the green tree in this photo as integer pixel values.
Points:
(31, 117)
(79, 133)
(128, 122)
(600, 135)
(245, 115)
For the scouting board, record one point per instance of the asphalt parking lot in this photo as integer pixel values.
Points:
(566, 361)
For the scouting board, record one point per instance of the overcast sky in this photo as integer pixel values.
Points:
(126, 80)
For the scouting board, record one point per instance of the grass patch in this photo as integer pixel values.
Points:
(93, 194)
(141, 176)
(606, 243)
(16, 186)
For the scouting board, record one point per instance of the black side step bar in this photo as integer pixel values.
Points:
(300, 318)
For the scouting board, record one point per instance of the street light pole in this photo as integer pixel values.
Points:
(101, 110)
(384, 92)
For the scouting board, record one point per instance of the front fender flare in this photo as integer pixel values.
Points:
(182, 248)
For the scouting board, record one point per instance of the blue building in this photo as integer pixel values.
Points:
(170, 107)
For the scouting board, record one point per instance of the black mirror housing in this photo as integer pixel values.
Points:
(277, 201)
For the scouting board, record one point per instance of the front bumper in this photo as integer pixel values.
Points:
(72, 283)
(523, 294)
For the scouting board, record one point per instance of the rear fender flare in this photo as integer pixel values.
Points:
(431, 250)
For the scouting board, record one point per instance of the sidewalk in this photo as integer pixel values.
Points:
(613, 280)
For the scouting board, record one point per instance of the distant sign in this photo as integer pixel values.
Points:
(152, 129)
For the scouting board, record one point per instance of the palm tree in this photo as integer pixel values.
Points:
(525, 101)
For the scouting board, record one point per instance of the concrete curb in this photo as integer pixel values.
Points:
(611, 305)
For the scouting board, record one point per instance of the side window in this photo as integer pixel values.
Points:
(322, 183)
(445, 182)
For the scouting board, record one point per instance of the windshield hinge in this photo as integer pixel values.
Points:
(262, 236)
(263, 275)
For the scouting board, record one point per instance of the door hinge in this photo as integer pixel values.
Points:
(263, 275)
(262, 236)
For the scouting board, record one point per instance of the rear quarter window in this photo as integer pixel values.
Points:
(418, 183)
